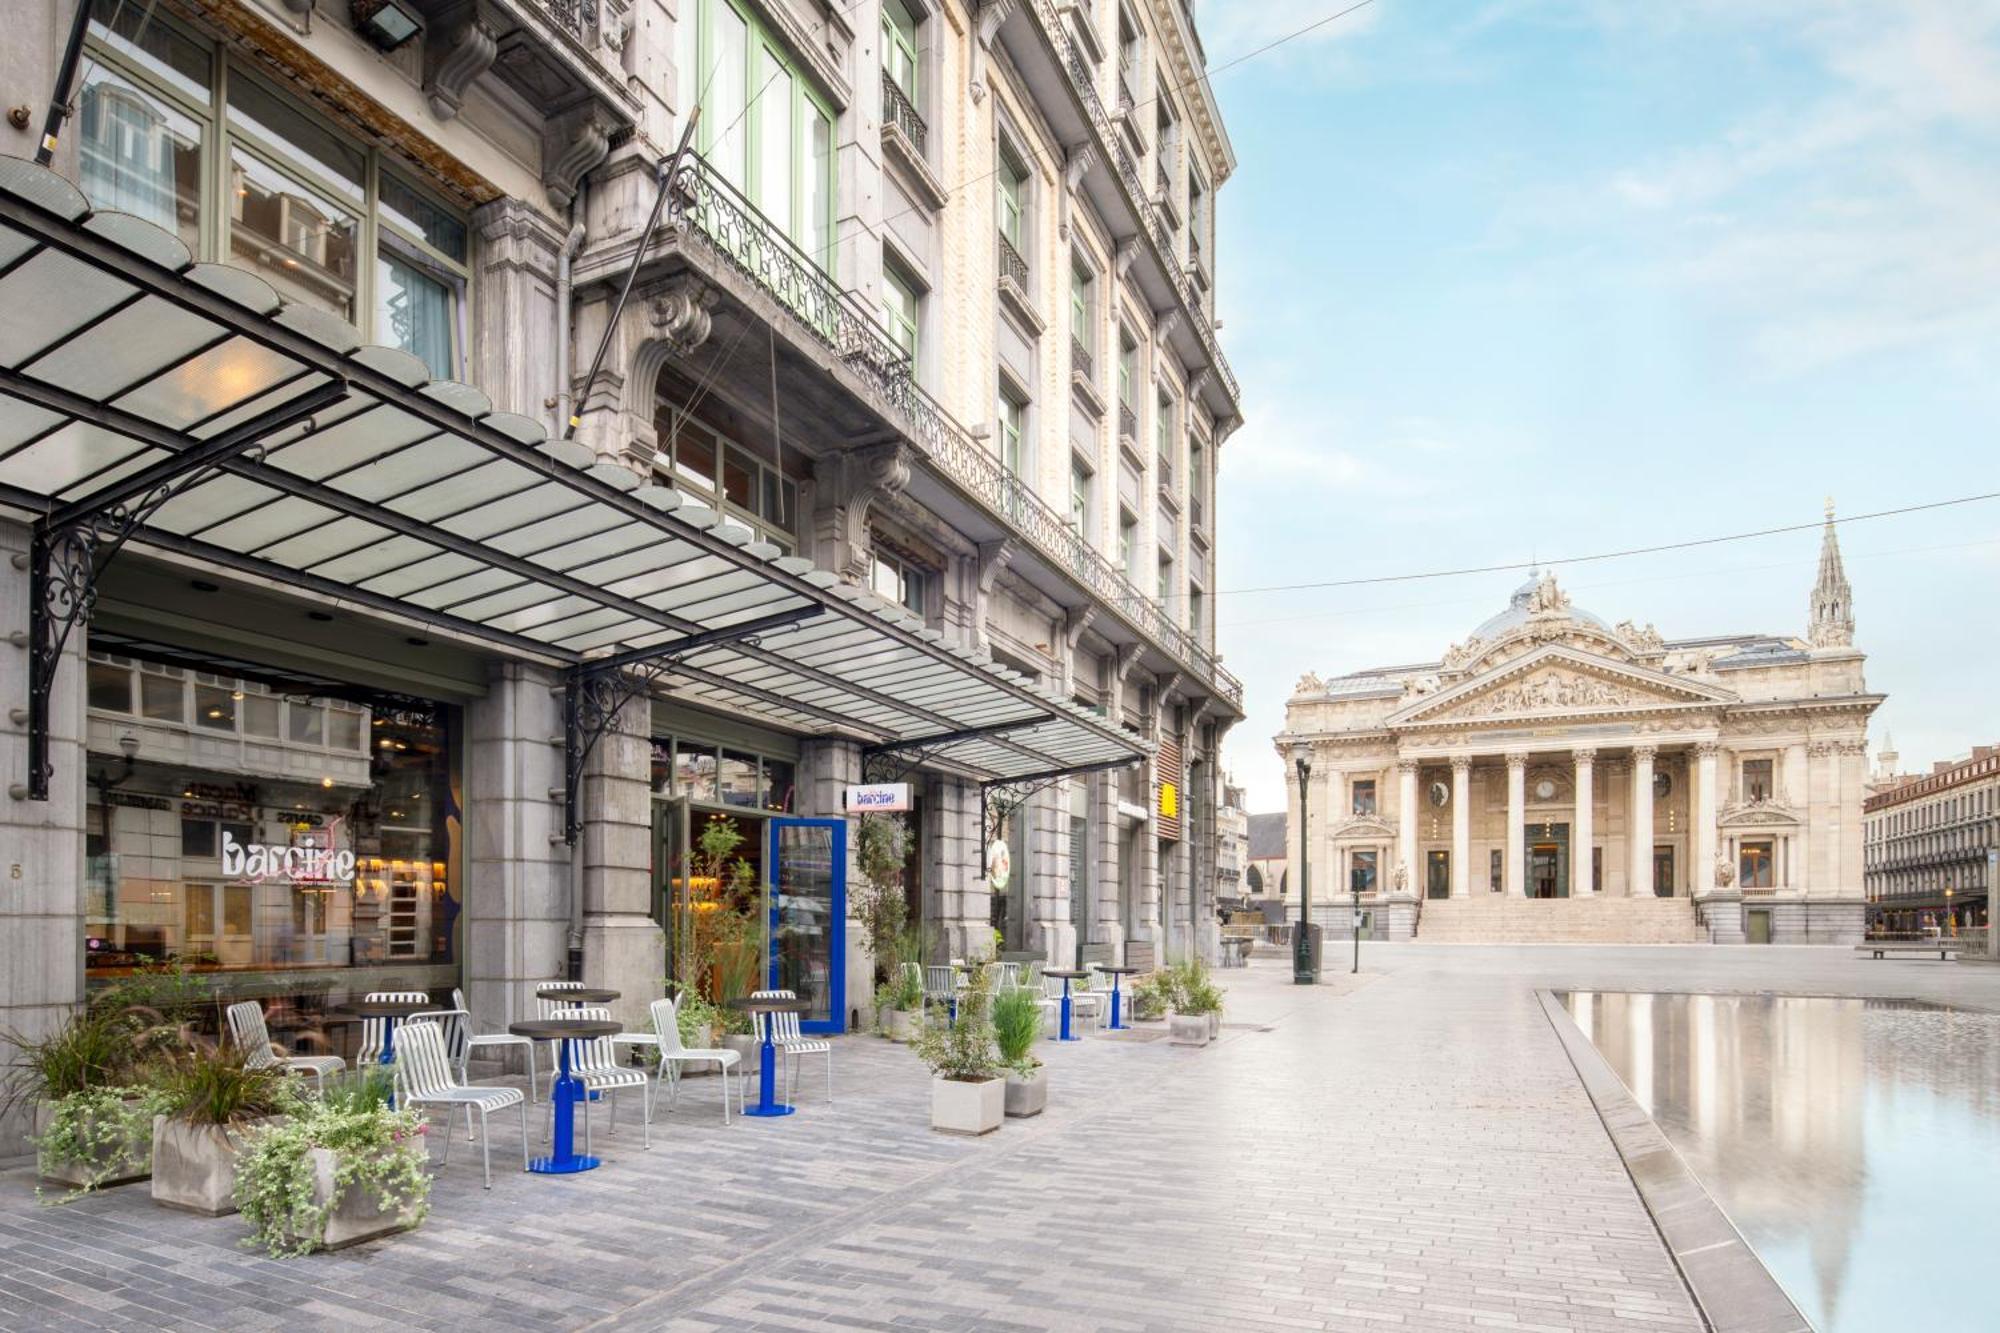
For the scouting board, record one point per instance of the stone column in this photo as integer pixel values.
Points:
(1583, 830)
(1050, 931)
(1640, 838)
(1406, 824)
(1461, 826)
(1701, 877)
(1512, 872)
(956, 900)
(623, 948)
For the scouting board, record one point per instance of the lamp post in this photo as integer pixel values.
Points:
(1304, 969)
(1354, 927)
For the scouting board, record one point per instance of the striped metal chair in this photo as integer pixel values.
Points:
(424, 1077)
(374, 1031)
(594, 1063)
(553, 1009)
(667, 1030)
(475, 1040)
(785, 1035)
(246, 1028)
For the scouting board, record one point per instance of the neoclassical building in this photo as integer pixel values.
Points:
(1653, 789)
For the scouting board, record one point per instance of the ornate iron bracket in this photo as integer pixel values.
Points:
(594, 693)
(1002, 799)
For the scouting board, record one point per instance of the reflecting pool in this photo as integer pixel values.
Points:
(1855, 1143)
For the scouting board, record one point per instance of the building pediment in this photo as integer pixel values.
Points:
(1758, 814)
(1363, 826)
(1560, 680)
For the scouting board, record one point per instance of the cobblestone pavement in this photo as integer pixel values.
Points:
(1407, 1148)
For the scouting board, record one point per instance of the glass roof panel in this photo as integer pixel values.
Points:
(64, 295)
(456, 494)
(353, 442)
(303, 550)
(54, 463)
(564, 540)
(380, 561)
(426, 569)
(211, 502)
(128, 347)
(265, 523)
(213, 382)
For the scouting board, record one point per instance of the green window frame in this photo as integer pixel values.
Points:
(1013, 415)
(1013, 196)
(1079, 498)
(899, 47)
(1128, 367)
(902, 309)
(1083, 305)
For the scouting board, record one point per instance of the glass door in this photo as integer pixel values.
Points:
(808, 954)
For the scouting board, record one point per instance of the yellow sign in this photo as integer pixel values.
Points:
(1170, 801)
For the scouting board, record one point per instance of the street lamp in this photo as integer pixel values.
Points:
(1304, 966)
(1354, 925)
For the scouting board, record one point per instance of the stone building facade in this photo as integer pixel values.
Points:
(1930, 843)
(1553, 756)
(921, 330)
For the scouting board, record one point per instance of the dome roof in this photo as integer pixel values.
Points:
(1520, 608)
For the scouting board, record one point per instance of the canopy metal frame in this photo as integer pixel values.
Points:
(1002, 798)
(895, 761)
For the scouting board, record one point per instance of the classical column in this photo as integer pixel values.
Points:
(1406, 824)
(1461, 825)
(1517, 812)
(1582, 830)
(1640, 880)
(1702, 874)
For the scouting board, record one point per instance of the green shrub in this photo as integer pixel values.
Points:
(1197, 993)
(366, 1088)
(962, 1050)
(89, 1050)
(109, 1127)
(158, 994)
(1017, 1024)
(210, 1085)
(1151, 996)
(378, 1150)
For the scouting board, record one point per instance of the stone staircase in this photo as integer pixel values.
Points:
(1496, 919)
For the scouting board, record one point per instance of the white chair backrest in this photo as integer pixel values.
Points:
(758, 1022)
(784, 1027)
(246, 1027)
(423, 1069)
(372, 1028)
(452, 1025)
(555, 1008)
(592, 1055)
(1008, 977)
(939, 982)
(667, 1026)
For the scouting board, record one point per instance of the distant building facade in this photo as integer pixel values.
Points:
(1266, 873)
(1232, 844)
(1929, 842)
(1554, 756)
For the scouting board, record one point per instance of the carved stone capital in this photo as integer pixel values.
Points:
(572, 144)
(1644, 753)
(1461, 765)
(1407, 767)
(681, 312)
(1584, 757)
(1707, 749)
(1517, 763)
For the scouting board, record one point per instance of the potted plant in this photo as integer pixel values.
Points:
(341, 1170)
(1017, 1023)
(93, 1115)
(899, 1001)
(1149, 998)
(719, 948)
(1197, 1016)
(968, 1095)
(212, 1099)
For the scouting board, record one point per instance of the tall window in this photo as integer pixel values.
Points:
(899, 581)
(1013, 417)
(1079, 498)
(1197, 613)
(1363, 797)
(170, 130)
(899, 47)
(1165, 588)
(1196, 477)
(1128, 543)
(1754, 865)
(1757, 785)
(1128, 367)
(1013, 198)
(900, 309)
(1083, 306)
(1163, 439)
(763, 126)
(728, 478)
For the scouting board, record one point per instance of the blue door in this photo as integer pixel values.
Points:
(808, 870)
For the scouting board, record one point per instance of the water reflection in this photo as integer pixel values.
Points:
(1855, 1143)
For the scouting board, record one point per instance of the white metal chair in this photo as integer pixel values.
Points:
(785, 1035)
(1085, 1006)
(594, 1063)
(424, 1077)
(667, 1040)
(374, 1031)
(554, 1009)
(1006, 976)
(246, 1028)
(474, 1040)
(941, 987)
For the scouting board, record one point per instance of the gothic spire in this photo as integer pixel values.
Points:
(1830, 623)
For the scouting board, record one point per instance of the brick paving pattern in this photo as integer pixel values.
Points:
(1409, 1149)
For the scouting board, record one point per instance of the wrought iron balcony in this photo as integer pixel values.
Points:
(1079, 357)
(1162, 175)
(898, 110)
(1125, 99)
(575, 17)
(1011, 263)
(713, 211)
(1081, 78)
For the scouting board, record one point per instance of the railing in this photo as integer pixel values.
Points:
(1079, 357)
(713, 209)
(1126, 166)
(898, 110)
(1128, 421)
(1161, 174)
(1011, 263)
(1086, 91)
(575, 17)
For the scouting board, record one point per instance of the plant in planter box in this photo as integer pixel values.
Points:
(968, 1095)
(1151, 996)
(881, 851)
(1198, 1011)
(1017, 1023)
(93, 1117)
(899, 1001)
(214, 1098)
(339, 1171)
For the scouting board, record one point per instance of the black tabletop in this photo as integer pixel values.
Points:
(390, 1008)
(578, 995)
(1063, 974)
(757, 1006)
(557, 1029)
(1117, 971)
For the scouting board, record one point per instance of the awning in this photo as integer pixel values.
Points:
(183, 407)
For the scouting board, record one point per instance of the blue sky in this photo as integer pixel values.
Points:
(1542, 278)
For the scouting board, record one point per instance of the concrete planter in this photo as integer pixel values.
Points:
(1028, 1094)
(1188, 1030)
(357, 1216)
(902, 1024)
(1215, 1025)
(743, 1044)
(194, 1166)
(128, 1159)
(968, 1108)
(704, 1039)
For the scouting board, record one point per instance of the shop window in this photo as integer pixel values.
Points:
(162, 696)
(1754, 865)
(780, 786)
(737, 778)
(305, 722)
(260, 715)
(198, 838)
(695, 771)
(1363, 794)
(110, 683)
(897, 580)
(215, 706)
(345, 730)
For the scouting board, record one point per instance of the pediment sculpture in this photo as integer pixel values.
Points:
(1547, 599)
(1460, 653)
(1310, 683)
(1644, 638)
(1556, 690)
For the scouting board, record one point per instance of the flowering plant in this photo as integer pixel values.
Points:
(374, 1148)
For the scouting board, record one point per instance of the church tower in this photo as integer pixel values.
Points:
(1830, 621)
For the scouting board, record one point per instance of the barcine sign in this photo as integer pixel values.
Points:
(262, 861)
(878, 798)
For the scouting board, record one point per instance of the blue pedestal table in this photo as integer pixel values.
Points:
(568, 1090)
(767, 1102)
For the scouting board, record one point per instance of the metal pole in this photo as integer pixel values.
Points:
(1303, 971)
(1357, 927)
(60, 102)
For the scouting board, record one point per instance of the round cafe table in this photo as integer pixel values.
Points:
(1114, 973)
(563, 1158)
(576, 998)
(767, 1104)
(1068, 975)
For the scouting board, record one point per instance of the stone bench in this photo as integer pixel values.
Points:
(1909, 948)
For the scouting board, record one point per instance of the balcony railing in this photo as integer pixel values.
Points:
(1163, 176)
(1128, 421)
(751, 243)
(1081, 78)
(898, 110)
(575, 17)
(1011, 263)
(1079, 357)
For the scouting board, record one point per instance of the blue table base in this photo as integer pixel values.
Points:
(767, 1102)
(1065, 1015)
(563, 1158)
(1114, 1025)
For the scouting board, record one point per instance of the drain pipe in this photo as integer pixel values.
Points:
(565, 287)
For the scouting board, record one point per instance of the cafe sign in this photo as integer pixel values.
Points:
(878, 798)
(257, 860)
